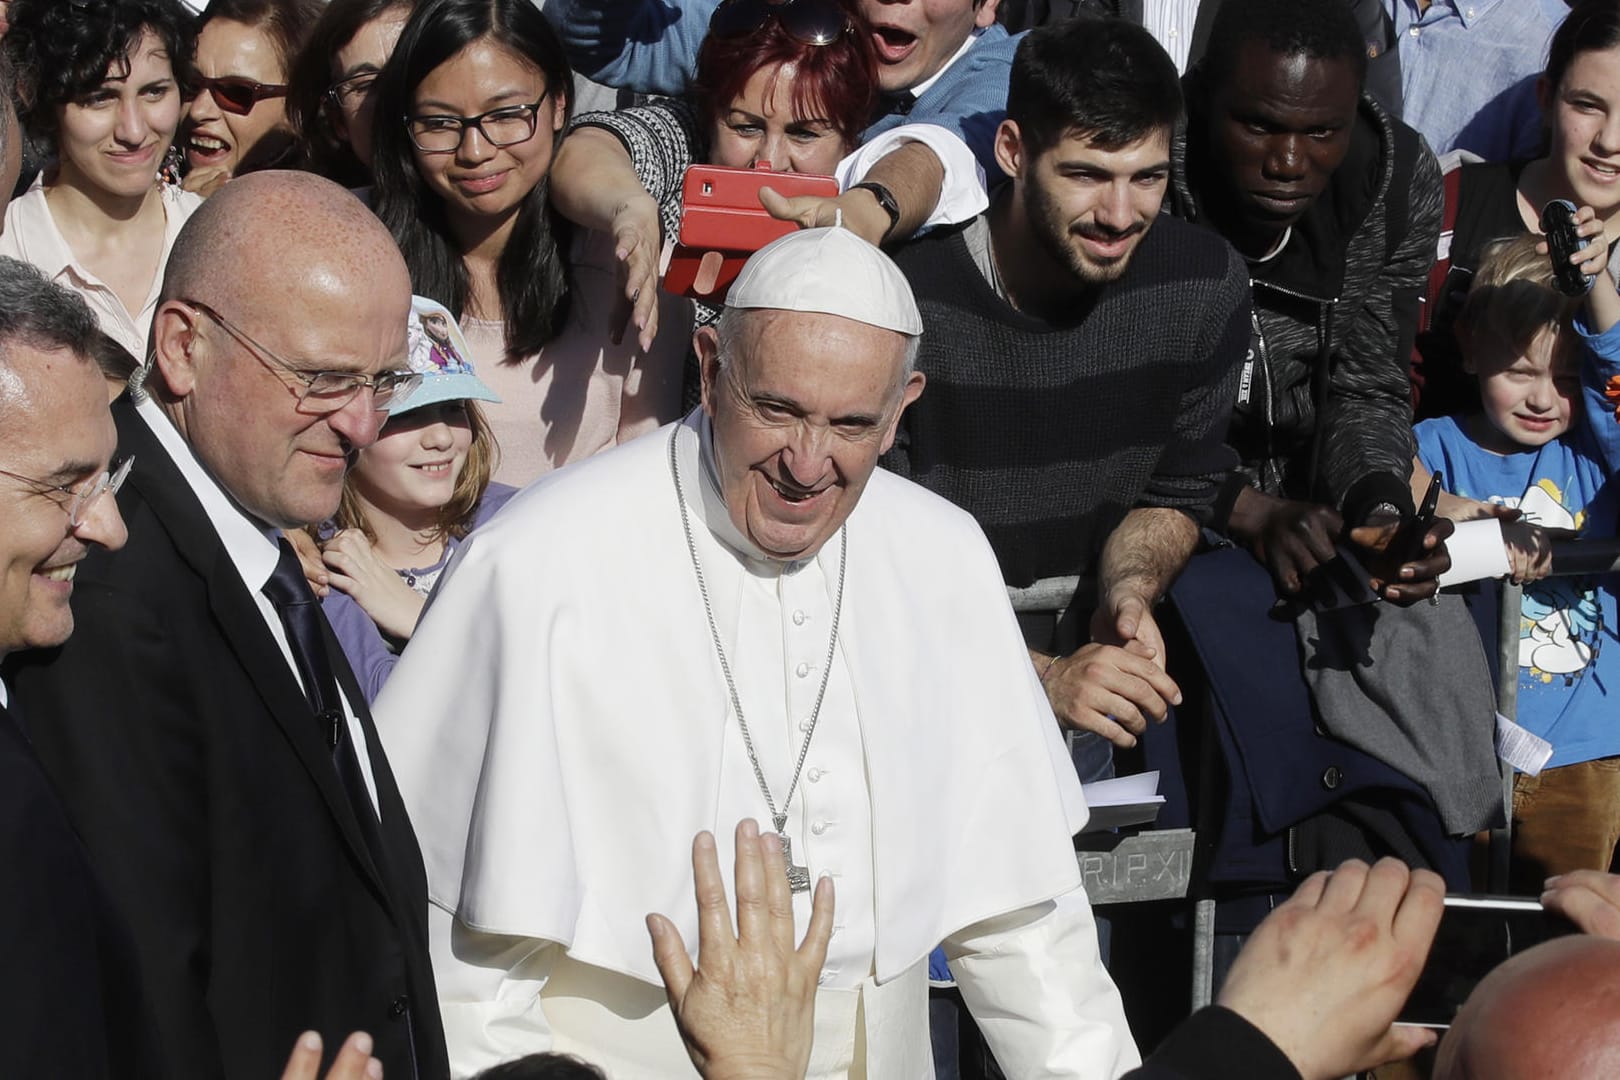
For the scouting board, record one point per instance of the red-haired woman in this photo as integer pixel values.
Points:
(789, 84)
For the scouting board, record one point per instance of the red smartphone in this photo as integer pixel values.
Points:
(721, 213)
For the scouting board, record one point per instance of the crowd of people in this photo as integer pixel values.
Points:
(396, 576)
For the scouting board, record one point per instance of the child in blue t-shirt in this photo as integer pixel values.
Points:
(1545, 443)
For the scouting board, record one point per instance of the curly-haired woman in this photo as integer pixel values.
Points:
(99, 86)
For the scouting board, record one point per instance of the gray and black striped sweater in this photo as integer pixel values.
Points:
(1049, 435)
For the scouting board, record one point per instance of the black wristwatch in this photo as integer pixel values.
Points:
(885, 199)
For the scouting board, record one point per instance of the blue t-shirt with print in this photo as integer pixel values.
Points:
(1569, 661)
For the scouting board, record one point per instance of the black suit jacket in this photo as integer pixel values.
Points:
(1216, 1044)
(193, 768)
(70, 992)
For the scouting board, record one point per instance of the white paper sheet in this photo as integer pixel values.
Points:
(1477, 552)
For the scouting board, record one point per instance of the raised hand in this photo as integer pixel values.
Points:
(748, 1008)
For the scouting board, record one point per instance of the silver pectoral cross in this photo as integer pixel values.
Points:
(798, 876)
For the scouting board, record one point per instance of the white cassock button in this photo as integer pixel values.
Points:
(802, 670)
(819, 827)
(799, 618)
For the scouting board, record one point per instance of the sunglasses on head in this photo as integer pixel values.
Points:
(813, 22)
(235, 94)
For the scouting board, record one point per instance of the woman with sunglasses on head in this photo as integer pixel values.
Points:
(237, 122)
(330, 94)
(789, 86)
(471, 106)
(99, 87)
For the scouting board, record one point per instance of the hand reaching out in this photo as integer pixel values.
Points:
(1589, 899)
(747, 1010)
(353, 1061)
(1110, 689)
(1325, 974)
(638, 249)
(1128, 617)
(859, 212)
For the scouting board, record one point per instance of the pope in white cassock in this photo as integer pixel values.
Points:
(736, 617)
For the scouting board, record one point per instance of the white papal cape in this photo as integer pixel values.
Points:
(560, 729)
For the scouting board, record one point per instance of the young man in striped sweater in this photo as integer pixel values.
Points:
(1082, 353)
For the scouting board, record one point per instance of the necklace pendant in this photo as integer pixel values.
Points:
(798, 876)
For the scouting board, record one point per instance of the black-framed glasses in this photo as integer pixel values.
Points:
(237, 95)
(813, 22)
(349, 94)
(506, 126)
(322, 392)
(83, 497)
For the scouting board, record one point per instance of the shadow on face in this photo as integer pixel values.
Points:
(802, 404)
(1279, 129)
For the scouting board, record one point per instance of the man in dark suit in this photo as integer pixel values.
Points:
(214, 751)
(70, 1002)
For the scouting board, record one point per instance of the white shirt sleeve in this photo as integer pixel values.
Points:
(489, 993)
(961, 194)
(1035, 984)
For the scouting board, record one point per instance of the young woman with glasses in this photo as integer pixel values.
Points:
(469, 111)
(237, 122)
(100, 89)
(330, 96)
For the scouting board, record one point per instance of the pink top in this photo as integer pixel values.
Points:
(580, 394)
(31, 236)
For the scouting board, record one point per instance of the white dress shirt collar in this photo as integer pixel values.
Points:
(254, 550)
(927, 84)
(253, 547)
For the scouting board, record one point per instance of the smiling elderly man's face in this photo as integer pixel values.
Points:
(802, 410)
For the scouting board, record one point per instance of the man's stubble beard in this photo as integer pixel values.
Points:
(1055, 237)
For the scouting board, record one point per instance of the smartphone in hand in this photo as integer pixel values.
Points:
(1476, 934)
(721, 213)
(1563, 241)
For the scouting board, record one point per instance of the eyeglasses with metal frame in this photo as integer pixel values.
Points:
(83, 497)
(505, 126)
(321, 392)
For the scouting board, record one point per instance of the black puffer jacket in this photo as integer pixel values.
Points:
(1324, 405)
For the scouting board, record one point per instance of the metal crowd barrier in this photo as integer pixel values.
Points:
(1570, 558)
(1153, 864)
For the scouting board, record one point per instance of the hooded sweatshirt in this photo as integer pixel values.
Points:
(1323, 409)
